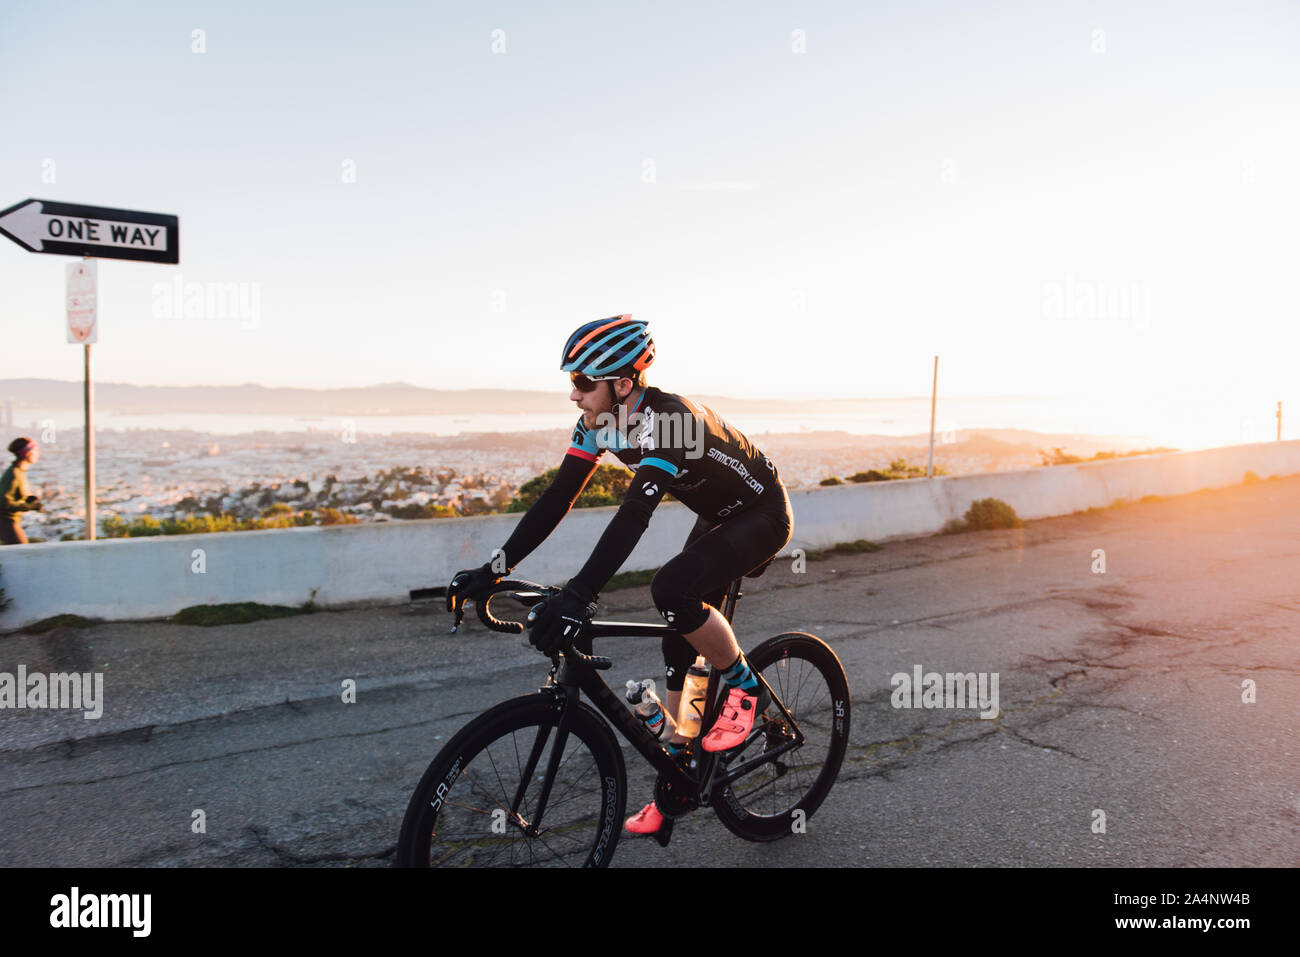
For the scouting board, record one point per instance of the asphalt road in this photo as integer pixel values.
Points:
(1120, 692)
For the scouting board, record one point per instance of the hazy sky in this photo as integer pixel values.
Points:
(1082, 197)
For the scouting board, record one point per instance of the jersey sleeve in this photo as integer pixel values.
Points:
(584, 444)
(551, 506)
(625, 529)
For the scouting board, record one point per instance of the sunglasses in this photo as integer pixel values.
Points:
(585, 383)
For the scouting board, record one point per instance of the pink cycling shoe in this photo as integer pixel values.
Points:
(736, 719)
(648, 820)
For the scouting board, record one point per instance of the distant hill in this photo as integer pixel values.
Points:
(389, 398)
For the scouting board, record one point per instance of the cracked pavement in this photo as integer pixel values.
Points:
(1120, 693)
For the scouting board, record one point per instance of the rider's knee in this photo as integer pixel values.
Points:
(677, 599)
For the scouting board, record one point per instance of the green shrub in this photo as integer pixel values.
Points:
(870, 475)
(833, 480)
(607, 486)
(416, 511)
(987, 513)
(991, 513)
(898, 469)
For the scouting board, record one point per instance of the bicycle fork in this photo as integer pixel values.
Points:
(533, 828)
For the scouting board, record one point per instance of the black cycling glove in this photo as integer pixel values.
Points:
(556, 621)
(472, 583)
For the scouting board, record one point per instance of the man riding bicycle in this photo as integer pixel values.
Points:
(671, 444)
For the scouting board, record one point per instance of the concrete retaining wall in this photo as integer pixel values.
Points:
(154, 577)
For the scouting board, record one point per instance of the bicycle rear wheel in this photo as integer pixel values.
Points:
(809, 680)
(460, 814)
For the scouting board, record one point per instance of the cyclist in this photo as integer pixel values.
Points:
(671, 444)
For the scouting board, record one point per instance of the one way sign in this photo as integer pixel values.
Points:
(67, 229)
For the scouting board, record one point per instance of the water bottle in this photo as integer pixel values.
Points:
(641, 695)
(695, 695)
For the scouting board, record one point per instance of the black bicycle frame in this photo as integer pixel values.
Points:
(572, 677)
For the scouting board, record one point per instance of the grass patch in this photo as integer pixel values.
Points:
(234, 613)
(58, 621)
(840, 548)
(1249, 477)
(631, 579)
(849, 548)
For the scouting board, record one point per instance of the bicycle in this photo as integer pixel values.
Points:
(483, 801)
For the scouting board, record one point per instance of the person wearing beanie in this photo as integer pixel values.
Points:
(15, 497)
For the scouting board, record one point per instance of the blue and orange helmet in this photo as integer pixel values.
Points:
(607, 346)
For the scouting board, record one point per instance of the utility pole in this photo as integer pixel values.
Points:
(934, 392)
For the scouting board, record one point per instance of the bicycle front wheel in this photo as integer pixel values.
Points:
(474, 808)
(777, 796)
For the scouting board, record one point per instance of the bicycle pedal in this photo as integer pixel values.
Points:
(665, 832)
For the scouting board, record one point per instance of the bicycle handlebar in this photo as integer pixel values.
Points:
(530, 594)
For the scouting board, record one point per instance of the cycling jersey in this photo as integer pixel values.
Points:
(712, 468)
(672, 444)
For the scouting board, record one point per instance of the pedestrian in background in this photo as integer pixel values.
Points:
(15, 497)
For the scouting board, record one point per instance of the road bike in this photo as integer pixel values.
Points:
(540, 780)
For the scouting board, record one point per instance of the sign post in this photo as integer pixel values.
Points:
(83, 327)
(102, 232)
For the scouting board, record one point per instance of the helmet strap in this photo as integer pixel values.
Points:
(615, 405)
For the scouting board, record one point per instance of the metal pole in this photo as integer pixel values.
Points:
(934, 391)
(90, 450)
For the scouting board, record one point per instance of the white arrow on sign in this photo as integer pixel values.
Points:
(34, 227)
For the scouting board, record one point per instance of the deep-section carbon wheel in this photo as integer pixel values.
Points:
(807, 677)
(461, 813)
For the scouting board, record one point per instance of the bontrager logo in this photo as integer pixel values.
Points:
(102, 910)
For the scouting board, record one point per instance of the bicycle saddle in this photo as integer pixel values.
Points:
(754, 573)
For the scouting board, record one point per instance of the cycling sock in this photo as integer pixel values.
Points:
(675, 747)
(739, 676)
